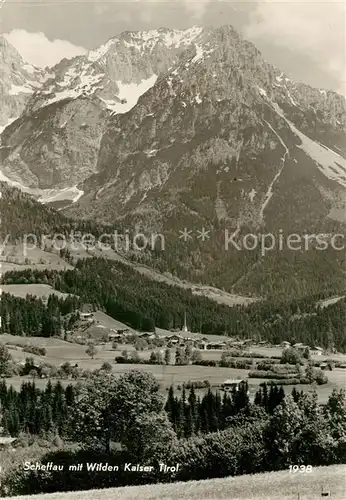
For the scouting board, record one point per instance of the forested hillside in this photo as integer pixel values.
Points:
(22, 214)
(143, 304)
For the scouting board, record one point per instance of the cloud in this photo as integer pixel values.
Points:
(37, 49)
(306, 26)
(195, 8)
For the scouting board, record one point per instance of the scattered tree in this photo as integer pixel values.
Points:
(91, 350)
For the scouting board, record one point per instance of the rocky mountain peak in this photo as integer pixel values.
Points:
(19, 80)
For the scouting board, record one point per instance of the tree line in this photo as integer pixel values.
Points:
(193, 415)
(32, 316)
(34, 411)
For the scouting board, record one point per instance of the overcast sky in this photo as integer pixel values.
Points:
(306, 39)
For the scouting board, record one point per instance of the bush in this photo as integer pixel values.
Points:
(304, 380)
(121, 360)
(268, 361)
(264, 366)
(269, 375)
(205, 362)
(241, 364)
(237, 450)
(287, 381)
(32, 349)
(107, 367)
(197, 384)
(320, 377)
(11, 370)
(288, 369)
(290, 356)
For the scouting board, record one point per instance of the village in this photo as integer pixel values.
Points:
(96, 329)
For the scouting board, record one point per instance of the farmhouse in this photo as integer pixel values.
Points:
(216, 345)
(6, 442)
(248, 341)
(147, 336)
(88, 316)
(124, 331)
(316, 351)
(114, 336)
(119, 334)
(231, 384)
(202, 345)
(174, 340)
(302, 347)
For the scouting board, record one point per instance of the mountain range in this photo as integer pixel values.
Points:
(167, 130)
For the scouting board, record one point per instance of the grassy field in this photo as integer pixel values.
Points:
(59, 351)
(267, 486)
(17, 258)
(179, 374)
(41, 291)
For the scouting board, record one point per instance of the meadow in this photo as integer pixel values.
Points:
(59, 351)
(281, 485)
(40, 291)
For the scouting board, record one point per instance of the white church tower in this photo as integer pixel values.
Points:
(185, 329)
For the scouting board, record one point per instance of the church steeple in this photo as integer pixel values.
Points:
(185, 324)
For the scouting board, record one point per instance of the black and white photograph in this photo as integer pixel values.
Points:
(172, 249)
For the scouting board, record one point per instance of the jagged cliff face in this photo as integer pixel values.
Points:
(55, 143)
(222, 136)
(226, 142)
(171, 130)
(18, 82)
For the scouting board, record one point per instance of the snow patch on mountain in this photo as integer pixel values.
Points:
(170, 38)
(201, 53)
(262, 92)
(329, 163)
(252, 194)
(291, 98)
(67, 194)
(128, 95)
(95, 55)
(143, 40)
(151, 152)
(17, 89)
(270, 191)
(2, 127)
(29, 68)
(46, 195)
(69, 76)
(88, 84)
(329, 302)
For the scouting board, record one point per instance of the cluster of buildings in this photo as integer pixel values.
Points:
(299, 346)
(123, 334)
(179, 338)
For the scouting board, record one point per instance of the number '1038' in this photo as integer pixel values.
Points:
(300, 468)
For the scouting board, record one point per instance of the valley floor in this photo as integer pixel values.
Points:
(268, 486)
(59, 351)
